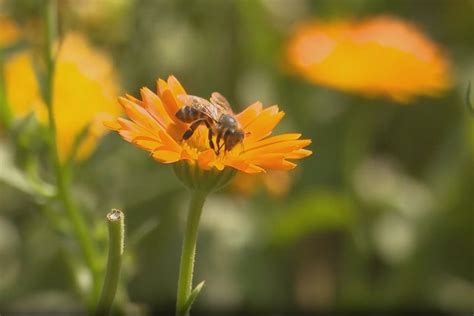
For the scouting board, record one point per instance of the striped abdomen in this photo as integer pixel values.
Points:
(189, 114)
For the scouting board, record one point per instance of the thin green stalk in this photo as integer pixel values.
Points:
(188, 252)
(74, 216)
(115, 221)
(5, 113)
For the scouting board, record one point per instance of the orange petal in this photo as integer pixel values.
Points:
(146, 143)
(245, 167)
(188, 154)
(166, 156)
(134, 100)
(264, 123)
(273, 161)
(129, 130)
(139, 115)
(113, 125)
(271, 140)
(172, 106)
(153, 104)
(175, 86)
(279, 147)
(161, 86)
(299, 154)
(206, 159)
(249, 114)
(169, 142)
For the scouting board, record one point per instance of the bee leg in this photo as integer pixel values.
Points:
(219, 147)
(226, 134)
(210, 134)
(191, 129)
(218, 142)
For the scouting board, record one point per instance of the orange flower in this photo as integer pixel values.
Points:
(378, 56)
(154, 127)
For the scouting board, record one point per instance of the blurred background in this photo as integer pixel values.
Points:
(379, 218)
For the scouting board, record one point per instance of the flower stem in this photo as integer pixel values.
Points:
(74, 216)
(115, 220)
(5, 113)
(188, 252)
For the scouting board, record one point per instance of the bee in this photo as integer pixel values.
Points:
(217, 115)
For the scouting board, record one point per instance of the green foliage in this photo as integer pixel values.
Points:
(311, 213)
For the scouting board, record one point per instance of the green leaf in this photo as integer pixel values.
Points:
(194, 294)
(10, 174)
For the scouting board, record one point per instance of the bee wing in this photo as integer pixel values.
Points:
(221, 102)
(201, 104)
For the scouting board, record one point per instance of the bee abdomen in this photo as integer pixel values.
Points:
(188, 114)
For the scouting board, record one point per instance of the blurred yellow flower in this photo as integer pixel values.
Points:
(155, 127)
(21, 86)
(9, 32)
(85, 88)
(377, 56)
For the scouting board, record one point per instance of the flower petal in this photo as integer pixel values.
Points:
(175, 86)
(273, 161)
(278, 147)
(263, 124)
(166, 156)
(245, 167)
(299, 154)
(206, 159)
(154, 106)
(170, 102)
(113, 125)
(249, 114)
(271, 140)
(139, 115)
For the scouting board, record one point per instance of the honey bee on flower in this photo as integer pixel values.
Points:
(159, 123)
(218, 117)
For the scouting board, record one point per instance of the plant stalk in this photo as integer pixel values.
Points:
(115, 221)
(5, 112)
(74, 216)
(188, 252)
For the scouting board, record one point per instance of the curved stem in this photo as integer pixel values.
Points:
(188, 252)
(115, 221)
(75, 217)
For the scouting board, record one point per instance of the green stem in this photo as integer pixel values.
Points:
(74, 216)
(115, 220)
(5, 112)
(188, 252)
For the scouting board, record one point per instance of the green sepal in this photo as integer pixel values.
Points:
(195, 178)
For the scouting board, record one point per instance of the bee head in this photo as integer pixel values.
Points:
(233, 137)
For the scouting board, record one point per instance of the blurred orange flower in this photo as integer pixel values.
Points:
(85, 87)
(155, 128)
(377, 56)
(275, 183)
(9, 32)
